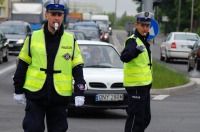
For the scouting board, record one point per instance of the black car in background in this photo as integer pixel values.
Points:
(194, 57)
(4, 51)
(91, 29)
(78, 34)
(15, 32)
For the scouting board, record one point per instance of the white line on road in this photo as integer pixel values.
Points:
(7, 69)
(160, 97)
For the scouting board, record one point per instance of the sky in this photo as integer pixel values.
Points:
(109, 6)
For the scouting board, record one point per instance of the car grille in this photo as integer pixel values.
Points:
(97, 85)
(103, 86)
(12, 42)
(117, 85)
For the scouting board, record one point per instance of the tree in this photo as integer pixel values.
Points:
(170, 8)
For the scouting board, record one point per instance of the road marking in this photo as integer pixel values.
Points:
(7, 69)
(197, 80)
(160, 97)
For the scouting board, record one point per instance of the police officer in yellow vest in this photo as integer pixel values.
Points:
(48, 62)
(138, 74)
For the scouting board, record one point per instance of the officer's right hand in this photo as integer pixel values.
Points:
(19, 98)
(141, 48)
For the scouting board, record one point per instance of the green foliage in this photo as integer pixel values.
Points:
(198, 31)
(164, 77)
(124, 19)
(1, 1)
(120, 23)
(170, 8)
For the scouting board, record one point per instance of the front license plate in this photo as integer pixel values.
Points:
(109, 97)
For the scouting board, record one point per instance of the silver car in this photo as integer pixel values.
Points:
(176, 46)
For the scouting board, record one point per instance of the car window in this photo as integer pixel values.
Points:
(169, 36)
(13, 29)
(185, 37)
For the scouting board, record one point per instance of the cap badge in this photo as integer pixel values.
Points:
(56, 1)
(146, 14)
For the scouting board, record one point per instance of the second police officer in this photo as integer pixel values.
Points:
(138, 74)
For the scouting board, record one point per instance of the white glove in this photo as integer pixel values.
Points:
(141, 48)
(19, 98)
(79, 100)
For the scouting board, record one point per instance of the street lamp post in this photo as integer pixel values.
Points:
(115, 12)
(192, 10)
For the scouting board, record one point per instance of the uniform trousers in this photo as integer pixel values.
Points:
(35, 112)
(139, 113)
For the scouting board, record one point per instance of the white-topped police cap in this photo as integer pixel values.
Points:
(56, 6)
(144, 17)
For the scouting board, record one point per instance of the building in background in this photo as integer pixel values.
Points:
(85, 8)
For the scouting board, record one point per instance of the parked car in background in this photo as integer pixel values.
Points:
(194, 57)
(176, 46)
(15, 32)
(104, 78)
(78, 34)
(4, 51)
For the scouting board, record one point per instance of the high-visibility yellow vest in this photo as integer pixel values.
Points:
(35, 78)
(137, 72)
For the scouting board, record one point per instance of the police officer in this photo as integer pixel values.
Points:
(138, 74)
(43, 78)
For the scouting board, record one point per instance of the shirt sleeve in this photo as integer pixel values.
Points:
(79, 82)
(130, 51)
(19, 76)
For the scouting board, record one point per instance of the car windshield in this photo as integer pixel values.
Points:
(100, 56)
(12, 29)
(185, 37)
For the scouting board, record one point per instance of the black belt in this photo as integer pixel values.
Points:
(47, 71)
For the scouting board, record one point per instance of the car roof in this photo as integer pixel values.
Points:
(92, 42)
(184, 33)
(86, 23)
(14, 22)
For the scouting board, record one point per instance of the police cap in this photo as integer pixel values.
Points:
(56, 6)
(144, 17)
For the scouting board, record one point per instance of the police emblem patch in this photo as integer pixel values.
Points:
(67, 56)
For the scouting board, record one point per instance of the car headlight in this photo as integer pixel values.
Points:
(21, 41)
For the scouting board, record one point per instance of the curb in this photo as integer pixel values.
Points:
(175, 90)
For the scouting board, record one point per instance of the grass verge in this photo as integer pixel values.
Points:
(164, 77)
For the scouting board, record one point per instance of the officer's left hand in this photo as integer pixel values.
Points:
(79, 100)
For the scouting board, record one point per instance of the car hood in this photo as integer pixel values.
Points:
(107, 76)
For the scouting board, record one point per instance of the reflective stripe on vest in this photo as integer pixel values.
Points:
(137, 72)
(35, 78)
